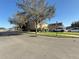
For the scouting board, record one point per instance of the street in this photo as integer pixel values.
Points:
(41, 47)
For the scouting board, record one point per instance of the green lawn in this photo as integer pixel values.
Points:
(59, 34)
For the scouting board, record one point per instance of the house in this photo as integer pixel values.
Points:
(12, 29)
(2, 29)
(43, 26)
(54, 26)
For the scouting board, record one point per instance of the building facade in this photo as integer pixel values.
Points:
(55, 26)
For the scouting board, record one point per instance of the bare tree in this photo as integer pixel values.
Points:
(19, 20)
(38, 9)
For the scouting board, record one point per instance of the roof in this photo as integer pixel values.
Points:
(2, 28)
(60, 24)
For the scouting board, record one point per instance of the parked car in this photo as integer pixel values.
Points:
(59, 30)
(73, 30)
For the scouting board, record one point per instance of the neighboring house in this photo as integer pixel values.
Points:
(12, 29)
(2, 29)
(54, 26)
(43, 26)
(72, 29)
(68, 27)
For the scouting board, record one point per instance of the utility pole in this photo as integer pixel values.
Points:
(56, 28)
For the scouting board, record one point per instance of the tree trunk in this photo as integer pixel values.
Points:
(36, 30)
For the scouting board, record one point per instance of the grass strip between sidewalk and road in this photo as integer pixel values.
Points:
(58, 34)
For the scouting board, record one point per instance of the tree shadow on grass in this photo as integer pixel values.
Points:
(10, 33)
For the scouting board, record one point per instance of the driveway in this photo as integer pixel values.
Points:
(26, 47)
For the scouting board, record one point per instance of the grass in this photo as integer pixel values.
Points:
(59, 34)
(71, 33)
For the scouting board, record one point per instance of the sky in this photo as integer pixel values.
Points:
(67, 11)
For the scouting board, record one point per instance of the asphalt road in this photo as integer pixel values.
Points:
(26, 47)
